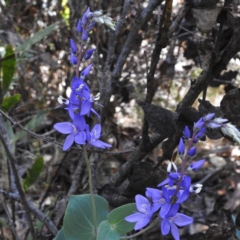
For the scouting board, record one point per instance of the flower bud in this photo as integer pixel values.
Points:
(195, 166)
(208, 117)
(181, 147)
(86, 16)
(73, 46)
(73, 59)
(86, 71)
(186, 132)
(90, 26)
(214, 125)
(201, 133)
(79, 27)
(220, 120)
(192, 151)
(97, 13)
(198, 125)
(85, 35)
(88, 53)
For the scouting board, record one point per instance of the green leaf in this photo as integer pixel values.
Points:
(32, 124)
(106, 232)
(78, 220)
(117, 221)
(37, 37)
(10, 101)
(60, 235)
(8, 68)
(33, 173)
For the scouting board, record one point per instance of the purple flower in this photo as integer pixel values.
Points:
(143, 217)
(184, 194)
(157, 198)
(73, 59)
(186, 133)
(74, 130)
(73, 46)
(192, 151)
(195, 166)
(94, 135)
(79, 27)
(80, 88)
(172, 220)
(88, 53)
(181, 147)
(172, 178)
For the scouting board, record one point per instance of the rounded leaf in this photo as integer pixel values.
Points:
(106, 232)
(117, 218)
(60, 235)
(78, 221)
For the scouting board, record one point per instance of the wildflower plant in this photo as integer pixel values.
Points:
(177, 187)
(87, 216)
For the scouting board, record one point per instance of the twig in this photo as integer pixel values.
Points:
(10, 222)
(137, 155)
(138, 23)
(181, 14)
(4, 133)
(52, 140)
(110, 56)
(12, 161)
(232, 48)
(160, 43)
(35, 211)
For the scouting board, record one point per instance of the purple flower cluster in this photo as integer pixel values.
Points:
(79, 104)
(177, 187)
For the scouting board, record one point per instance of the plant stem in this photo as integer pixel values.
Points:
(142, 231)
(90, 187)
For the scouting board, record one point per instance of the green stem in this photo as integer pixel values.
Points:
(90, 187)
(142, 231)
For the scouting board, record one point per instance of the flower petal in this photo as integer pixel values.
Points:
(166, 181)
(182, 220)
(140, 202)
(99, 144)
(142, 222)
(79, 122)
(184, 196)
(164, 210)
(174, 231)
(173, 210)
(134, 217)
(165, 226)
(86, 107)
(80, 138)
(68, 142)
(96, 131)
(64, 127)
(153, 193)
